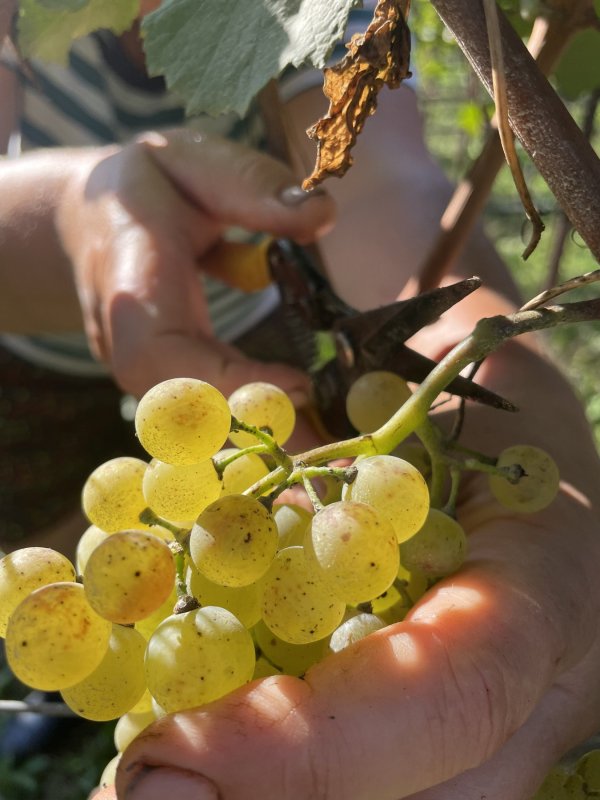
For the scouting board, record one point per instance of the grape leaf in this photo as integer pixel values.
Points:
(217, 54)
(378, 57)
(46, 29)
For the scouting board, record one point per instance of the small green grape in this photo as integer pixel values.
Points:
(437, 549)
(112, 496)
(264, 406)
(536, 489)
(375, 397)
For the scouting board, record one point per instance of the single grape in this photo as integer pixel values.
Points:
(264, 406)
(291, 659)
(375, 397)
(112, 496)
(26, 570)
(116, 684)
(264, 669)
(438, 548)
(240, 474)
(354, 549)
(182, 421)
(415, 454)
(353, 629)
(88, 542)
(129, 576)
(109, 772)
(180, 492)
(536, 489)
(234, 540)
(588, 766)
(292, 523)
(55, 638)
(129, 726)
(393, 604)
(298, 604)
(198, 656)
(395, 488)
(243, 601)
(144, 704)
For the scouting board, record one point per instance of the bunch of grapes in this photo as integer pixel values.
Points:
(194, 577)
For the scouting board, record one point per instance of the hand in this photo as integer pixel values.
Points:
(490, 679)
(140, 222)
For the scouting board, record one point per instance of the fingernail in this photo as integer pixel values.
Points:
(296, 195)
(158, 783)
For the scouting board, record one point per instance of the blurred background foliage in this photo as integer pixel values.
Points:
(457, 112)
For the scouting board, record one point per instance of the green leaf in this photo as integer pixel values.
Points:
(217, 54)
(579, 68)
(47, 27)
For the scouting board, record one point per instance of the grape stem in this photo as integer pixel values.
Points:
(222, 463)
(182, 535)
(271, 447)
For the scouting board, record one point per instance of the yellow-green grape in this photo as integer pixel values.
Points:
(353, 629)
(112, 496)
(26, 570)
(149, 624)
(438, 548)
(182, 421)
(243, 601)
(264, 406)
(374, 398)
(55, 638)
(395, 488)
(292, 523)
(354, 549)
(536, 489)
(234, 540)
(264, 669)
(553, 787)
(88, 542)
(198, 656)
(129, 576)
(291, 659)
(109, 772)
(129, 726)
(588, 766)
(243, 472)
(393, 605)
(180, 492)
(116, 684)
(298, 605)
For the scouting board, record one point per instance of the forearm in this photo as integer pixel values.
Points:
(38, 289)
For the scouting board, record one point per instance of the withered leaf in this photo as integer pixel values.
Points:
(379, 56)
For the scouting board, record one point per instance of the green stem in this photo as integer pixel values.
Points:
(270, 445)
(431, 438)
(222, 463)
(182, 535)
(312, 493)
(450, 505)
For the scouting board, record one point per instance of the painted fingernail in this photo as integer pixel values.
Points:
(158, 783)
(296, 195)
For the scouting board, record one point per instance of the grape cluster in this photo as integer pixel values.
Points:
(190, 582)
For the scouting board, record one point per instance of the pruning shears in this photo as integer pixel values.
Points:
(336, 344)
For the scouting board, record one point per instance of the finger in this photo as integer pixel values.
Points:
(406, 708)
(239, 186)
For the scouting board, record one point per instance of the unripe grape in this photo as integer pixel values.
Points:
(129, 576)
(375, 397)
(234, 540)
(536, 489)
(198, 656)
(26, 570)
(55, 638)
(264, 406)
(298, 605)
(116, 684)
(112, 496)
(180, 492)
(438, 548)
(354, 549)
(182, 421)
(395, 488)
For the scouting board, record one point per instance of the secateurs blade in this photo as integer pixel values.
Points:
(336, 343)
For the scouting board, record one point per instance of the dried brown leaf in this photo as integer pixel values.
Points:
(379, 56)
